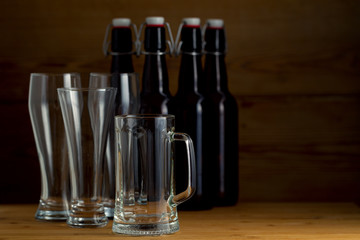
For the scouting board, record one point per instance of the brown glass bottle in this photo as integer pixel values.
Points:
(155, 94)
(192, 114)
(224, 117)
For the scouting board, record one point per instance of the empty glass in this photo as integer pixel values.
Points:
(48, 128)
(86, 113)
(127, 102)
(145, 183)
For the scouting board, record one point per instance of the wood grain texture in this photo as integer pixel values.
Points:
(299, 148)
(270, 221)
(294, 67)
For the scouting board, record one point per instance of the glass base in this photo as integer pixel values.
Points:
(51, 211)
(87, 222)
(51, 215)
(146, 229)
(109, 212)
(87, 215)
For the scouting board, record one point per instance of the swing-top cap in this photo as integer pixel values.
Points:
(155, 21)
(121, 22)
(193, 21)
(215, 23)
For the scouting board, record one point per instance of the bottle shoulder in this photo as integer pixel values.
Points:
(190, 93)
(155, 103)
(191, 104)
(152, 95)
(222, 98)
(222, 93)
(191, 97)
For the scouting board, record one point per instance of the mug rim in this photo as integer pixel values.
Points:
(144, 116)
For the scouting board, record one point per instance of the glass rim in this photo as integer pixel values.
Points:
(86, 89)
(54, 73)
(145, 116)
(112, 74)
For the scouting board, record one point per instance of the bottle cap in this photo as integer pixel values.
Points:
(215, 23)
(155, 21)
(192, 22)
(121, 22)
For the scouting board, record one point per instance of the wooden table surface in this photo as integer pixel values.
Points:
(244, 221)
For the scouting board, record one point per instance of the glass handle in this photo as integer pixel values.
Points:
(185, 195)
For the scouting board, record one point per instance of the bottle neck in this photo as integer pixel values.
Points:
(191, 74)
(154, 40)
(121, 40)
(155, 75)
(122, 64)
(121, 43)
(191, 39)
(215, 73)
(215, 67)
(215, 40)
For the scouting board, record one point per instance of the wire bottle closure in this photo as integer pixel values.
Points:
(107, 42)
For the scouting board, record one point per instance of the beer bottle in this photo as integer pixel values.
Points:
(192, 115)
(224, 116)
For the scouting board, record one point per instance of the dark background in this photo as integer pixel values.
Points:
(294, 67)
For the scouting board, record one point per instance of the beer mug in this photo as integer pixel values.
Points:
(146, 198)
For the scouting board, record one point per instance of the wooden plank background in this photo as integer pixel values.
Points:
(294, 67)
